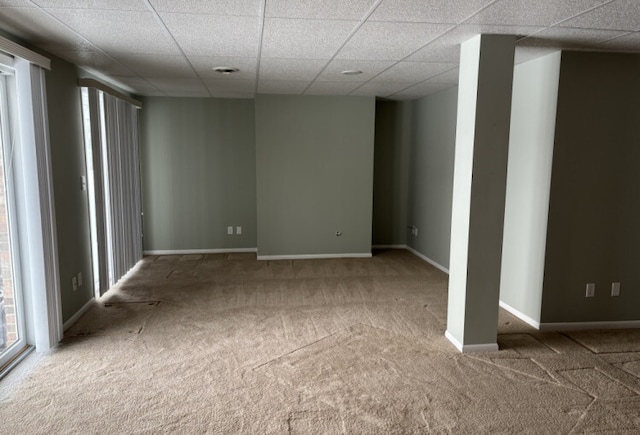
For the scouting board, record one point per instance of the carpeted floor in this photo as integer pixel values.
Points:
(226, 344)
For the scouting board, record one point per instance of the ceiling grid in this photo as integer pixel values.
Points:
(405, 49)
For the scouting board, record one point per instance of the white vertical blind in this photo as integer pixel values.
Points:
(117, 185)
(38, 239)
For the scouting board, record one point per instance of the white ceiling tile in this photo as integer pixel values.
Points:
(332, 88)
(290, 69)
(447, 47)
(437, 52)
(152, 65)
(619, 15)
(369, 68)
(389, 41)
(413, 71)
(234, 95)
(421, 90)
(428, 11)
(568, 38)
(627, 43)
(97, 60)
(448, 77)
(153, 94)
(282, 86)
(204, 66)
(218, 7)
(23, 3)
(122, 5)
(380, 89)
(325, 10)
(119, 31)
(300, 37)
(137, 83)
(304, 39)
(532, 12)
(226, 86)
(40, 29)
(177, 84)
(209, 35)
(187, 94)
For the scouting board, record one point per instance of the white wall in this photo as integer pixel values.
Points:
(533, 118)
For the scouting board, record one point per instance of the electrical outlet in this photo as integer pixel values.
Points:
(74, 283)
(79, 279)
(615, 289)
(230, 231)
(591, 290)
(238, 230)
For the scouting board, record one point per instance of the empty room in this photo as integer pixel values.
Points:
(319, 217)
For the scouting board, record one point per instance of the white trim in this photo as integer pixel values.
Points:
(520, 315)
(73, 319)
(18, 50)
(581, 326)
(198, 251)
(389, 247)
(471, 348)
(428, 260)
(312, 256)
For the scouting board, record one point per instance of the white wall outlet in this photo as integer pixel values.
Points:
(74, 283)
(230, 231)
(83, 183)
(238, 230)
(615, 289)
(415, 231)
(79, 279)
(591, 290)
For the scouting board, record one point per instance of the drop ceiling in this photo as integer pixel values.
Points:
(405, 49)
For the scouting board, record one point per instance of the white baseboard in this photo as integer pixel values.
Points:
(428, 260)
(583, 326)
(520, 315)
(199, 251)
(389, 246)
(471, 348)
(313, 256)
(73, 319)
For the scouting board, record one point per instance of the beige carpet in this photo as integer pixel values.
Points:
(226, 344)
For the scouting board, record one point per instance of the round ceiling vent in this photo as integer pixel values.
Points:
(225, 69)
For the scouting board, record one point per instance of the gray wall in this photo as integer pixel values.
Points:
(71, 203)
(594, 211)
(391, 172)
(431, 174)
(533, 116)
(314, 174)
(198, 173)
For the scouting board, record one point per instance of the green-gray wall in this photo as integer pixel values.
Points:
(314, 174)
(198, 173)
(431, 174)
(594, 212)
(533, 118)
(391, 172)
(71, 203)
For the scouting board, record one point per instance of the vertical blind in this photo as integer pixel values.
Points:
(116, 162)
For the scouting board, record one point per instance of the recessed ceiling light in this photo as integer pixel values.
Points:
(351, 72)
(225, 69)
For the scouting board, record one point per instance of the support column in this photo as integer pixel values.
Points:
(479, 187)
